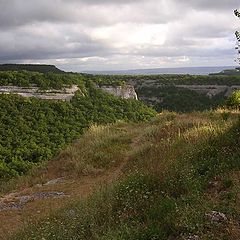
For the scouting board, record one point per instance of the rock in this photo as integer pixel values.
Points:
(216, 217)
(25, 199)
(54, 181)
(20, 201)
(10, 206)
(125, 92)
(38, 185)
(65, 94)
(45, 195)
(193, 237)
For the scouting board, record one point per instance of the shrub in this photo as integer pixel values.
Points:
(234, 100)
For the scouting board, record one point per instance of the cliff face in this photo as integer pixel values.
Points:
(65, 94)
(211, 90)
(126, 92)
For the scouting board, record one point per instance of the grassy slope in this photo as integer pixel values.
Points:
(165, 169)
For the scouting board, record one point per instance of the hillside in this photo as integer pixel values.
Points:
(175, 177)
(33, 130)
(30, 67)
(179, 70)
(180, 93)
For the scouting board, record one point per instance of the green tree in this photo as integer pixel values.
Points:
(234, 100)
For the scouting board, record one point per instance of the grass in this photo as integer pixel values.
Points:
(176, 168)
(100, 148)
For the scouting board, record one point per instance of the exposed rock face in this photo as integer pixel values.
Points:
(126, 91)
(211, 90)
(65, 94)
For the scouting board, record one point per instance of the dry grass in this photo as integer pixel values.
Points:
(162, 148)
(89, 163)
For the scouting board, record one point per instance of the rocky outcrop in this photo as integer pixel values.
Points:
(216, 217)
(65, 94)
(14, 202)
(211, 90)
(126, 91)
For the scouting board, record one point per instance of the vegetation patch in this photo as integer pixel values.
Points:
(34, 130)
(173, 198)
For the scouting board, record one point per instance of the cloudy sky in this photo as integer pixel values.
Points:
(82, 35)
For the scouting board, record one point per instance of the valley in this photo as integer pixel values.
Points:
(119, 120)
(126, 157)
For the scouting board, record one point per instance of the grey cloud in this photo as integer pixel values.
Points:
(30, 44)
(16, 13)
(101, 2)
(211, 4)
(65, 29)
(21, 12)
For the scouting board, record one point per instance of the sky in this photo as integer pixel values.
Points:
(80, 35)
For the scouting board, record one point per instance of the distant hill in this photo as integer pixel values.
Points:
(235, 71)
(157, 71)
(30, 67)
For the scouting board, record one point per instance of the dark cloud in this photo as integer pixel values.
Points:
(20, 12)
(35, 44)
(211, 4)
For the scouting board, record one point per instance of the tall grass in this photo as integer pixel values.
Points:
(167, 187)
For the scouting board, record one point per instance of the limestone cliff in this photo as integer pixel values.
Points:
(65, 94)
(126, 91)
(211, 90)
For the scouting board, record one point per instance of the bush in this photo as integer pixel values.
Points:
(234, 100)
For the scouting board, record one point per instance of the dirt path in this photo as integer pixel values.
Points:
(30, 205)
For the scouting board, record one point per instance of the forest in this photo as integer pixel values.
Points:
(52, 80)
(33, 130)
(160, 92)
(42, 80)
(176, 79)
(177, 99)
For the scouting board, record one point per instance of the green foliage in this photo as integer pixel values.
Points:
(160, 92)
(234, 100)
(105, 80)
(177, 99)
(42, 80)
(33, 130)
(133, 196)
(218, 155)
(175, 79)
(165, 194)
